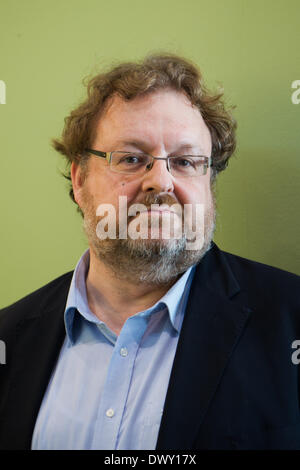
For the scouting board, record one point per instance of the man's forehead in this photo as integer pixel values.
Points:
(138, 123)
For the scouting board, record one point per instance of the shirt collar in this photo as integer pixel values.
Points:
(174, 300)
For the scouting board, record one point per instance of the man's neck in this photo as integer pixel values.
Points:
(113, 300)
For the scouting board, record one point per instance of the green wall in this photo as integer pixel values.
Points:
(251, 48)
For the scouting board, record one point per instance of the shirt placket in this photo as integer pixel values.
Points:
(117, 384)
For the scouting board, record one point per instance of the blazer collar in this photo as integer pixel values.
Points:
(215, 317)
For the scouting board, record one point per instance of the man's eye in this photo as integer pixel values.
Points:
(131, 159)
(185, 162)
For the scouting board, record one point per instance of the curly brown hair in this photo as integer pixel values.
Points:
(132, 79)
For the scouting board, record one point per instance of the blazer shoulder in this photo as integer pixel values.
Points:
(251, 265)
(264, 278)
(46, 297)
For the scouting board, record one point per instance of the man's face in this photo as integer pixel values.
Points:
(162, 123)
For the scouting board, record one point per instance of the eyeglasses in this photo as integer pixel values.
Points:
(138, 163)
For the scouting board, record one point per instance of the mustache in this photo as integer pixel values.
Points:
(152, 198)
(157, 199)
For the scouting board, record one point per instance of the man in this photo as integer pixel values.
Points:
(153, 342)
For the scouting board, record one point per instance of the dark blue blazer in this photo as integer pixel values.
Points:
(233, 383)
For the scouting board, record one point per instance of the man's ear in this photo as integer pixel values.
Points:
(77, 178)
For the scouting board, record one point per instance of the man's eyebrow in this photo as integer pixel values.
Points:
(180, 148)
(132, 143)
(190, 147)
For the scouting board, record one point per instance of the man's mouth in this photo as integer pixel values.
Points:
(159, 211)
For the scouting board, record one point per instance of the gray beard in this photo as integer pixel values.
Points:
(152, 262)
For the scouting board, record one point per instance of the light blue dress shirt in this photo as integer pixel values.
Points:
(108, 391)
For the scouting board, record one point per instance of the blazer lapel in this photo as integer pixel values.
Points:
(214, 320)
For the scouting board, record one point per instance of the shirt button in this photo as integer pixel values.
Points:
(123, 352)
(110, 412)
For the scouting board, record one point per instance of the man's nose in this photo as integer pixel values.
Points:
(158, 179)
